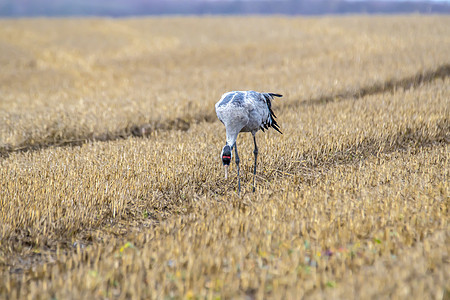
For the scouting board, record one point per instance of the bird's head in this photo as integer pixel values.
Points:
(226, 158)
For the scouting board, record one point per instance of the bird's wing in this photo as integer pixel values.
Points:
(232, 109)
(270, 121)
(236, 98)
(224, 99)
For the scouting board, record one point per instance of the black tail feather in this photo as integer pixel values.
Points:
(275, 95)
(271, 122)
(277, 129)
(272, 113)
(274, 124)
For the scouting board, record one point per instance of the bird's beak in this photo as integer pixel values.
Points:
(226, 171)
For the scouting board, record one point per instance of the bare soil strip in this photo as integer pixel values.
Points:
(183, 124)
(387, 86)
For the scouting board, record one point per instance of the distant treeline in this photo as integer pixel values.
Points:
(119, 8)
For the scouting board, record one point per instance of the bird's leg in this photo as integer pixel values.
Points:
(237, 164)
(256, 156)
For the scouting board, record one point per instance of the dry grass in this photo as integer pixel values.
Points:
(70, 80)
(351, 201)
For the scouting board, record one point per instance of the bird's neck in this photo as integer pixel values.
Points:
(231, 140)
(232, 133)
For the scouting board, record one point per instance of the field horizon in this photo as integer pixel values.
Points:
(112, 185)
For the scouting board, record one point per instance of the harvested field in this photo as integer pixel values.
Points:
(112, 185)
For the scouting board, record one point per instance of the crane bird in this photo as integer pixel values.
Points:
(244, 111)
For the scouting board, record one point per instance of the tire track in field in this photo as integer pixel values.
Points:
(183, 124)
(389, 86)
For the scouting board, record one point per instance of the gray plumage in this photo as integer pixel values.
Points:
(244, 111)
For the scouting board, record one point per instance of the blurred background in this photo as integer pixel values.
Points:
(123, 8)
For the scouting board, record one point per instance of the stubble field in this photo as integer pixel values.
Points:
(112, 185)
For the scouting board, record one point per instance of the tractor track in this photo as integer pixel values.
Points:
(183, 124)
